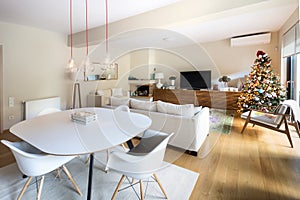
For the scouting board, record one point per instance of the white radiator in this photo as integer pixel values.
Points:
(33, 107)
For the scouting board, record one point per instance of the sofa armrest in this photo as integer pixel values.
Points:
(203, 112)
(201, 121)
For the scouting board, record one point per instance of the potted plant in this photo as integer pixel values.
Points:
(172, 78)
(225, 80)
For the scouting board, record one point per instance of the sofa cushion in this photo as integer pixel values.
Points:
(143, 105)
(117, 101)
(186, 110)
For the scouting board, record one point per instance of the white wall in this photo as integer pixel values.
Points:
(144, 61)
(34, 61)
(92, 86)
(217, 56)
(237, 61)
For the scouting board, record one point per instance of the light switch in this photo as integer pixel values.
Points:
(11, 101)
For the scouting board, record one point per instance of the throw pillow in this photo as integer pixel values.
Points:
(186, 110)
(143, 105)
(117, 101)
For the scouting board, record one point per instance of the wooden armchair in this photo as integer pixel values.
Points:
(271, 121)
(294, 112)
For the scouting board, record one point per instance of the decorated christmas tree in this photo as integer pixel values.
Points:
(262, 90)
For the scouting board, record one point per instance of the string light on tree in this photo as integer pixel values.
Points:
(262, 90)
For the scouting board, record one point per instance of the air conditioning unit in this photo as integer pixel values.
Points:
(253, 39)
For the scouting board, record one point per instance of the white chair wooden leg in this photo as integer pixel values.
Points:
(124, 147)
(141, 190)
(118, 187)
(58, 173)
(24, 187)
(107, 155)
(38, 197)
(160, 185)
(72, 180)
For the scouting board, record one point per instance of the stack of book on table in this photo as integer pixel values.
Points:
(83, 117)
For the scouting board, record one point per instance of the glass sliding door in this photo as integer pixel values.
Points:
(291, 62)
(297, 79)
(290, 77)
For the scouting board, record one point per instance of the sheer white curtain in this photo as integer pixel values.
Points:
(291, 60)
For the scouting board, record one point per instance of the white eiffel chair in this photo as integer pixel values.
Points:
(33, 163)
(117, 109)
(124, 148)
(125, 109)
(141, 162)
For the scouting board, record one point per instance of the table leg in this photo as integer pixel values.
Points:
(89, 192)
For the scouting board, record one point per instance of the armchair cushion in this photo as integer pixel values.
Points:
(267, 118)
(271, 119)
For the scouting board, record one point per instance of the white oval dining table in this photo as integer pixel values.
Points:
(57, 134)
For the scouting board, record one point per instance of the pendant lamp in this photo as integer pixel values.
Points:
(106, 59)
(87, 59)
(108, 66)
(106, 62)
(72, 69)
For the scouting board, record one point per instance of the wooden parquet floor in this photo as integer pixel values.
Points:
(260, 164)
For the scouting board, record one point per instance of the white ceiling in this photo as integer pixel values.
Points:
(263, 17)
(53, 15)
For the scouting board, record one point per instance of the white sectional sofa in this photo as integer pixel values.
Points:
(190, 124)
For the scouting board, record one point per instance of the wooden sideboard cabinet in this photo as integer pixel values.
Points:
(209, 98)
(218, 99)
(175, 96)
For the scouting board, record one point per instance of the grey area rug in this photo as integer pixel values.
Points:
(220, 123)
(221, 120)
(178, 183)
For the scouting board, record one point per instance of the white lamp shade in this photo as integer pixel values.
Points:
(159, 75)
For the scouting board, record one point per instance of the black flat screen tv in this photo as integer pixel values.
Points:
(195, 80)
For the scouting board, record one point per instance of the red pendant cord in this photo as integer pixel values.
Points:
(106, 25)
(71, 42)
(86, 27)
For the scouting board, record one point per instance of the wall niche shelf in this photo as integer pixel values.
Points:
(96, 71)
